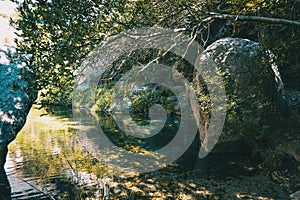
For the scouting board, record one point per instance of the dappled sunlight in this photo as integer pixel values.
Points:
(249, 196)
(166, 184)
(160, 100)
(47, 161)
(46, 158)
(40, 120)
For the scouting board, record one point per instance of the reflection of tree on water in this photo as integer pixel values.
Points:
(124, 140)
(47, 158)
(147, 145)
(46, 162)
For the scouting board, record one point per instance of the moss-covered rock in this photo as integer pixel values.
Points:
(261, 111)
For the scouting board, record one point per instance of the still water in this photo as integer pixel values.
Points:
(48, 160)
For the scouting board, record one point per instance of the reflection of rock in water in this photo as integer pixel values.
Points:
(5, 190)
(150, 144)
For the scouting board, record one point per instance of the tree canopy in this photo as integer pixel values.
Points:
(54, 36)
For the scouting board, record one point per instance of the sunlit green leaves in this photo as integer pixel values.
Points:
(60, 33)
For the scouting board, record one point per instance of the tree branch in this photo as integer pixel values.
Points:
(252, 18)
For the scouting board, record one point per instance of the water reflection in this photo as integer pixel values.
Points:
(121, 150)
(118, 136)
(5, 190)
(48, 161)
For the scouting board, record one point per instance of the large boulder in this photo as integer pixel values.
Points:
(16, 99)
(252, 83)
(259, 105)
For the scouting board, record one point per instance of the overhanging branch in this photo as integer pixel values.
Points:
(252, 18)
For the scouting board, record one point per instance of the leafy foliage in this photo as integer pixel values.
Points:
(54, 36)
